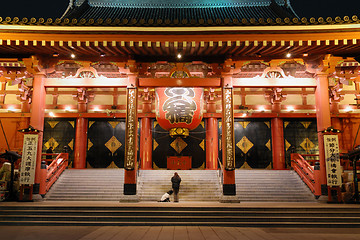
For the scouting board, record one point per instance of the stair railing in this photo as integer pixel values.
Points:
(220, 173)
(50, 173)
(309, 174)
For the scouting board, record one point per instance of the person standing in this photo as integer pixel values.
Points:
(49, 151)
(176, 180)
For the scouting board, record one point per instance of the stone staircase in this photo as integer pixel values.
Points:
(314, 216)
(88, 185)
(196, 185)
(271, 186)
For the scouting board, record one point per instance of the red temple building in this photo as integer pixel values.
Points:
(179, 85)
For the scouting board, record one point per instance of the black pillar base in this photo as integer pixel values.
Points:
(324, 189)
(36, 188)
(130, 189)
(229, 189)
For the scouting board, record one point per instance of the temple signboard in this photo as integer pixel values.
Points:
(228, 129)
(131, 129)
(332, 158)
(28, 160)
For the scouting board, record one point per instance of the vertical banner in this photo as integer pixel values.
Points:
(332, 158)
(131, 129)
(228, 129)
(28, 160)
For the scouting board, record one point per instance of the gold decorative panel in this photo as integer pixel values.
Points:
(113, 144)
(51, 143)
(53, 123)
(287, 145)
(245, 144)
(245, 166)
(268, 145)
(244, 124)
(71, 144)
(202, 124)
(90, 144)
(91, 123)
(155, 145)
(267, 124)
(112, 165)
(113, 124)
(307, 145)
(155, 124)
(178, 144)
(306, 124)
(286, 124)
(202, 145)
(72, 123)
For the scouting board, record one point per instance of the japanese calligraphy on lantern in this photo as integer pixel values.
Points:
(131, 128)
(28, 160)
(179, 107)
(228, 129)
(332, 158)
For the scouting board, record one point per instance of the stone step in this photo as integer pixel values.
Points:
(235, 216)
(88, 185)
(271, 186)
(196, 185)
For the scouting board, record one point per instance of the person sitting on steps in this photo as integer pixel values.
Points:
(166, 196)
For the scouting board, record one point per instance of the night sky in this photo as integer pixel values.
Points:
(55, 8)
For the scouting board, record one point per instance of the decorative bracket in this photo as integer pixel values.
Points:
(335, 93)
(275, 95)
(25, 93)
(83, 96)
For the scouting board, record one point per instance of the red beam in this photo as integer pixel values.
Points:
(87, 115)
(14, 115)
(86, 82)
(260, 82)
(179, 82)
(206, 115)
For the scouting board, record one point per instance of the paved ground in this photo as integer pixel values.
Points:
(177, 232)
(174, 233)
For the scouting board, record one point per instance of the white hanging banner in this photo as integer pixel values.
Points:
(332, 158)
(28, 160)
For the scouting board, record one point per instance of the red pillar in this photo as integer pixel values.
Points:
(336, 122)
(80, 143)
(146, 144)
(211, 143)
(80, 138)
(278, 149)
(24, 123)
(37, 121)
(323, 118)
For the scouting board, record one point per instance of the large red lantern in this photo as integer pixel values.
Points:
(179, 110)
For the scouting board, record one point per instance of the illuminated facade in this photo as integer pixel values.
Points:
(271, 82)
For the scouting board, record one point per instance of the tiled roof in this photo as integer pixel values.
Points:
(178, 3)
(180, 13)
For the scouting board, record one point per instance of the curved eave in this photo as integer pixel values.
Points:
(158, 43)
(181, 30)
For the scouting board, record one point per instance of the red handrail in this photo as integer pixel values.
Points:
(309, 174)
(51, 173)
